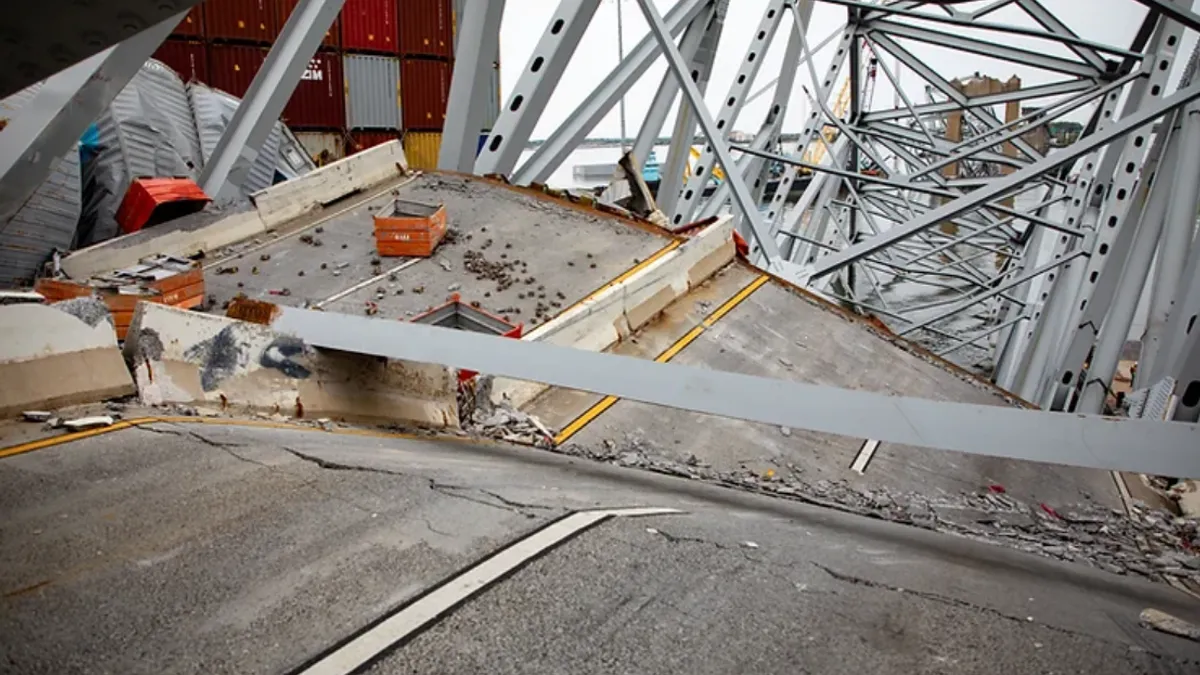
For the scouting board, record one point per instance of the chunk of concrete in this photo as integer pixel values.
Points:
(285, 201)
(94, 422)
(192, 358)
(51, 358)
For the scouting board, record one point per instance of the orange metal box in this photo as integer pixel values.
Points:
(412, 229)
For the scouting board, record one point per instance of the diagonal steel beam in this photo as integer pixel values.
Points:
(51, 123)
(240, 145)
(529, 97)
(1007, 183)
(551, 154)
(742, 195)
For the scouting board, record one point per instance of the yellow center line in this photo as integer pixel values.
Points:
(43, 443)
(669, 353)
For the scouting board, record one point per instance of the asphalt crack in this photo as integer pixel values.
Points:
(964, 604)
(504, 504)
(337, 466)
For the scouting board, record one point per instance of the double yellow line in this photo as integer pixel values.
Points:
(671, 352)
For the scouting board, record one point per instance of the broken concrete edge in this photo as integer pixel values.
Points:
(191, 358)
(273, 206)
(287, 200)
(622, 308)
(880, 331)
(562, 201)
(53, 356)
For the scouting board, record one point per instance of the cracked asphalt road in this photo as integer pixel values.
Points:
(204, 548)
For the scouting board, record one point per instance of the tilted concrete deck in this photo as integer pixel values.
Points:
(780, 332)
(565, 251)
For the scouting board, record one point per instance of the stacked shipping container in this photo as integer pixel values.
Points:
(385, 66)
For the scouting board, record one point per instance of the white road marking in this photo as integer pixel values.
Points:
(865, 453)
(424, 611)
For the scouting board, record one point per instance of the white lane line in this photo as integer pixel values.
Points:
(362, 649)
(361, 285)
(865, 453)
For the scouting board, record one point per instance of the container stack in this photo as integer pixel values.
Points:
(426, 64)
(372, 66)
(349, 98)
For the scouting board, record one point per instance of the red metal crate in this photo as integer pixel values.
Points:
(424, 93)
(370, 26)
(232, 67)
(426, 28)
(189, 59)
(319, 101)
(150, 201)
(241, 20)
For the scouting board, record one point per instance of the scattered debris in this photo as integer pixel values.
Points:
(230, 269)
(453, 287)
(1165, 623)
(36, 415)
(786, 432)
(445, 265)
(94, 422)
(265, 257)
(749, 544)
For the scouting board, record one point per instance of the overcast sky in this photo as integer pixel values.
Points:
(1108, 21)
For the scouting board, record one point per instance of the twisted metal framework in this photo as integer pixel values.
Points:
(946, 215)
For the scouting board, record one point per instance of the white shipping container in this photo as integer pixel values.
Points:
(372, 91)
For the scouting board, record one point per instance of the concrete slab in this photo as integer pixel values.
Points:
(565, 251)
(779, 333)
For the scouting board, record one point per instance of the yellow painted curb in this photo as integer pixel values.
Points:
(669, 353)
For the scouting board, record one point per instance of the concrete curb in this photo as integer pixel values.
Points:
(273, 206)
(616, 312)
(53, 356)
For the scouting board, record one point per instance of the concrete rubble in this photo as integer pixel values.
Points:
(1146, 542)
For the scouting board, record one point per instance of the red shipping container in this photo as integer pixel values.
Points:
(192, 24)
(370, 26)
(232, 67)
(189, 59)
(241, 20)
(284, 10)
(424, 92)
(319, 101)
(361, 140)
(426, 28)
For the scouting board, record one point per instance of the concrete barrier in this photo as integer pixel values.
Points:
(187, 357)
(202, 232)
(285, 201)
(56, 355)
(615, 312)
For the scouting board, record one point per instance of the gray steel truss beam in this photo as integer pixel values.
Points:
(51, 123)
(729, 110)
(990, 49)
(1012, 433)
(566, 138)
(474, 61)
(290, 56)
(673, 172)
(668, 90)
(1006, 184)
(1176, 12)
(744, 199)
(529, 97)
